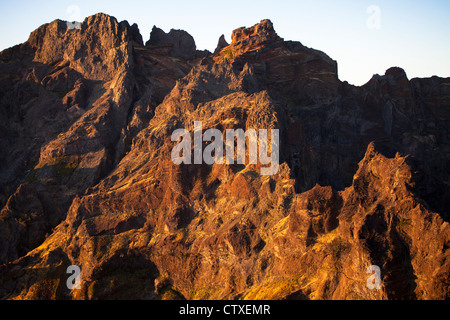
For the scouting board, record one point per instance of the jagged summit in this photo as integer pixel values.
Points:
(181, 44)
(261, 33)
(100, 35)
(253, 39)
(222, 43)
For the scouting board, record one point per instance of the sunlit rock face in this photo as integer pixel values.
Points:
(87, 178)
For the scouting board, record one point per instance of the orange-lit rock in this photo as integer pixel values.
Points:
(88, 178)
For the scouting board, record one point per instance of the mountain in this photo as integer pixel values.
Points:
(86, 176)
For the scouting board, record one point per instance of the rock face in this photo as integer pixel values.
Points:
(177, 43)
(107, 54)
(70, 108)
(221, 44)
(95, 186)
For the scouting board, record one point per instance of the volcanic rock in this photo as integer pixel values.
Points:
(221, 44)
(88, 178)
(180, 44)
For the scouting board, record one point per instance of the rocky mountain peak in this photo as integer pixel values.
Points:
(261, 33)
(254, 39)
(222, 43)
(179, 43)
(396, 72)
(176, 43)
(99, 49)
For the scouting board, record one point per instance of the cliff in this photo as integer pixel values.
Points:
(87, 117)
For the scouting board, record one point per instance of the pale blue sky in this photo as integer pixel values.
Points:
(412, 34)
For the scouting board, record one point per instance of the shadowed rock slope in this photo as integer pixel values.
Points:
(87, 179)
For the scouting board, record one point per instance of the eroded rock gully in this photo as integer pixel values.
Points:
(87, 179)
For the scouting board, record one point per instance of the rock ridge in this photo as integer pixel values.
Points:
(88, 179)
